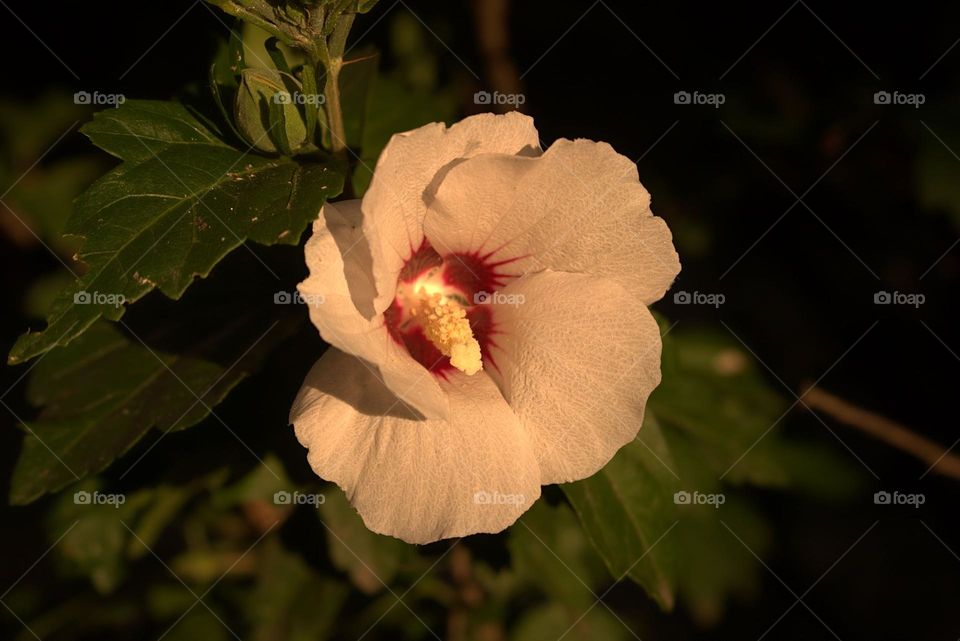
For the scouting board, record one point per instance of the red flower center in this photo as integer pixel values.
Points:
(467, 278)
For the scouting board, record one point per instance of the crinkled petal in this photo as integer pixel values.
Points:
(418, 480)
(576, 358)
(579, 207)
(340, 292)
(408, 171)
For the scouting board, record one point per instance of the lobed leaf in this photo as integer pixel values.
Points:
(181, 202)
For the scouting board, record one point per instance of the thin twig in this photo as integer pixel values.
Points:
(936, 456)
(492, 25)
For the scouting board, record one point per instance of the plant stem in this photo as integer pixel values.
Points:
(333, 59)
(331, 92)
(939, 459)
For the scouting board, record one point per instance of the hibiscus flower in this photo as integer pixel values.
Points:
(486, 304)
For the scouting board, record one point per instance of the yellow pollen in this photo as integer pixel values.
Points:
(446, 326)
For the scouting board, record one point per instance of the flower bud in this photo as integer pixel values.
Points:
(267, 114)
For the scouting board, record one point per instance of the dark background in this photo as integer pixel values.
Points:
(801, 98)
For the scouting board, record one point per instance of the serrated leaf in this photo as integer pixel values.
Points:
(713, 391)
(549, 549)
(173, 211)
(712, 407)
(104, 392)
(627, 510)
(716, 565)
(138, 129)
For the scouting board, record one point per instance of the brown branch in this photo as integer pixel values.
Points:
(939, 459)
(492, 24)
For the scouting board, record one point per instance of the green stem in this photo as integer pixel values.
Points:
(331, 92)
(333, 54)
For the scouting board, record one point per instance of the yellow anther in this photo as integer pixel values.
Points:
(446, 326)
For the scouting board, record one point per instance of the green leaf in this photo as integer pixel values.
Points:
(256, 52)
(291, 602)
(272, 47)
(627, 511)
(198, 623)
(357, 78)
(716, 565)
(555, 621)
(102, 393)
(39, 195)
(182, 202)
(371, 560)
(311, 111)
(166, 502)
(712, 407)
(139, 129)
(549, 549)
(714, 391)
(94, 539)
(260, 484)
(937, 169)
(266, 113)
(394, 108)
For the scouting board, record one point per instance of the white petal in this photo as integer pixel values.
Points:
(407, 171)
(340, 293)
(576, 358)
(417, 480)
(579, 207)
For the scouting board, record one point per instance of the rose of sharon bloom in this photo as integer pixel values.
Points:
(486, 303)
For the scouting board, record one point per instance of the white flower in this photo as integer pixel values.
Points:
(487, 307)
